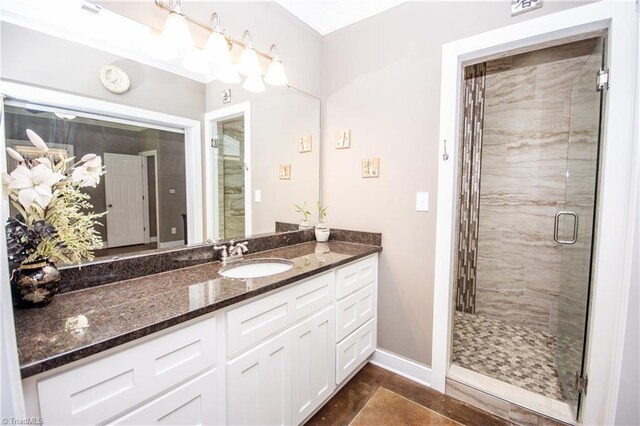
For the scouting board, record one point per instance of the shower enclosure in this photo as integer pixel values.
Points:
(526, 216)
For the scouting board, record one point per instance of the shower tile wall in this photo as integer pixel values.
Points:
(523, 174)
(231, 179)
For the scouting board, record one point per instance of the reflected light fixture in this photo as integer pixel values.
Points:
(176, 30)
(217, 47)
(195, 61)
(216, 57)
(157, 48)
(248, 64)
(275, 74)
(228, 74)
(64, 115)
(253, 83)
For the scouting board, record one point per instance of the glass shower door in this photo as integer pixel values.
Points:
(574, 227)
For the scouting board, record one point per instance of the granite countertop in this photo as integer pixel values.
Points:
(82, 323)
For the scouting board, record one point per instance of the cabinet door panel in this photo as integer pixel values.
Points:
(355, 310)
(353, 277)
(259, 385)
(194, 403)
(313, 363)
(253, 322)
(355, 349)
(102, 389)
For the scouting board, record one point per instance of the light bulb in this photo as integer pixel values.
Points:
(249, 64)
(217, 49)
(176, 32)
(157, 48)
(253, 83)
(228, 74)
(195, 61)
(275, 74)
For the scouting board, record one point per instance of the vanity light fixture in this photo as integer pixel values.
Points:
(218, 47)
(275, 74)
(176, 30)
(195, 61)
(248, 64)
(217, 50)
(253, 83)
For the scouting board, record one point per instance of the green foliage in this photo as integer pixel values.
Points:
(303, 210)
(322, 212)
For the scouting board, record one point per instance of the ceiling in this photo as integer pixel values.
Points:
(326, 16)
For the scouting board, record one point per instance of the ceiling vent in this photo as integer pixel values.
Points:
(90, 7)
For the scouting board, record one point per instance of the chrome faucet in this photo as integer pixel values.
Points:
(236, 250)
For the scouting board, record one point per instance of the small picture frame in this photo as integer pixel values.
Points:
(371, 168)
(285, 171)
(343, 139)
(304, 143)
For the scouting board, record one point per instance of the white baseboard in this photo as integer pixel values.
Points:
(404, 367)
(168, 244)
(153, 239)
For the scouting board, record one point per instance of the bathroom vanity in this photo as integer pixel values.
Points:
(191, 346)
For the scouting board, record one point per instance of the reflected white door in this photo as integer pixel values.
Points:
(124, 197)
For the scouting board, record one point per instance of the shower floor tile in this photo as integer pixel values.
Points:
(511, 353)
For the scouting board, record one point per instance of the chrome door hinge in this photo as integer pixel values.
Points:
(581, 383)
(602, 80)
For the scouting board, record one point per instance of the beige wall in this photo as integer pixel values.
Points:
(381, 79)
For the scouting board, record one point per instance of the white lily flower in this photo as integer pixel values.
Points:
(34, 185)
(45, 161)
(37, 141)
(6, 181)
(89, 173)
(15, 155)
(88, 157)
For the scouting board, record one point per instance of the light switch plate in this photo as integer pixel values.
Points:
(174, 230)
(172, 191)
(258, 196)
(422, 201)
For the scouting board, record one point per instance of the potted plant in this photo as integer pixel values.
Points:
(322, 230)
(304, 224)
(54, 222)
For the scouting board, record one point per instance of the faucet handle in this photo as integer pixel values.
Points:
(225, 253)
(243, 246)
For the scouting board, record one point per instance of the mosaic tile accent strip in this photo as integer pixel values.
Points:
(511, 353)
(469, 196)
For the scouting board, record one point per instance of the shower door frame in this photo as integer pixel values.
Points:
(617, 193)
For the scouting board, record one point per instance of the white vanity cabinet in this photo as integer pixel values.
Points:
(272, 360)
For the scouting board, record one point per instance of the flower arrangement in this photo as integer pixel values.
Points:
(306, 214)
(322, 214)
(55, 220)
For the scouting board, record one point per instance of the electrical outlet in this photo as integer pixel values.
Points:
(172, 191)
(258, 196)
(174, 230)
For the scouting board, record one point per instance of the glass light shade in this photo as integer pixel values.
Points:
(157, 48)
(176, 32)
(217, 49)
(195, 61)
(228, 74)
(253, 83)
(275, 74)
(249, 64)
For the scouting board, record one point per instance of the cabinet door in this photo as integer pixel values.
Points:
(313, 343)
(193, 403)
(355, 349)
(259, 384)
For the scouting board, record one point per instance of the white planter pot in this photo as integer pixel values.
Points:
(322, 234)
(305, 225)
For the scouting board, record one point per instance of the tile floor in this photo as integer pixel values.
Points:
(511, 353)
(375, 396)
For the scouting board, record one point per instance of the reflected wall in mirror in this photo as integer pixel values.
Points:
(144, 189)
(252, 137)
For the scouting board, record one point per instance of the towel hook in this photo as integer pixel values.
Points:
(445, 156)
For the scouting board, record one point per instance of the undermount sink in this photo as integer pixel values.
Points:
(256, 268)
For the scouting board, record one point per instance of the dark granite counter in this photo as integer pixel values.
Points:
(82, 323)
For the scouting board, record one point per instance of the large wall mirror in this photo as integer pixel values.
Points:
(256, 157)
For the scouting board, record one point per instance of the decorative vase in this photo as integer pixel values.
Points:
(322, 233)
(305, 225)
(35, 283)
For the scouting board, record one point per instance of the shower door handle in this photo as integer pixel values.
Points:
(556, 225)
